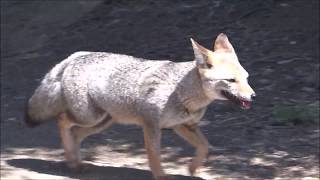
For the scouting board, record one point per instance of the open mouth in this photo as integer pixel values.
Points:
(244, 104)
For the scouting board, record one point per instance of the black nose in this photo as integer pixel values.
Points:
(253, 96)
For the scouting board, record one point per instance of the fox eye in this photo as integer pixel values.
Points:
(209, 65)
(231, 80)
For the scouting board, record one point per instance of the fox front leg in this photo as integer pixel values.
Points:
(193, 135)
(152, 140)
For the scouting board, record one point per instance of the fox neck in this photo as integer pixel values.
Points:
(191, 92)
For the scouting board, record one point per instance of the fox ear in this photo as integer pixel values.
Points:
(201, 54)
(222, 43)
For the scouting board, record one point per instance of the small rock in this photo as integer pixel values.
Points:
(285, 61)
(19, 97)
(293, 42)
(308, 89)
(264, 81)
(267, 71)
(284, 4)
(11, 119)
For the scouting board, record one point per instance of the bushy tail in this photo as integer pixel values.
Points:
(47, 100)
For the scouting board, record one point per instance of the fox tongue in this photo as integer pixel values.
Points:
(245, 104)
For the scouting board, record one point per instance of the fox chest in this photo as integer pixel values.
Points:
(174, 118)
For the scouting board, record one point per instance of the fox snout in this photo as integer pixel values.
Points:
(247, 92)
(253, 96)
(244, 97)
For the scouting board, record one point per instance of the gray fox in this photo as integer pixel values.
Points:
(89, 91)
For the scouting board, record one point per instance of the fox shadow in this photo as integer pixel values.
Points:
(91, 171)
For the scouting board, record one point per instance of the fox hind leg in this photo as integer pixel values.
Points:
(72, 136)
(82, 132)
(71, 150)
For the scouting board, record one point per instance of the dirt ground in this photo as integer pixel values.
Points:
(277, 42)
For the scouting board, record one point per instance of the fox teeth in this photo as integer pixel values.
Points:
(246, 104)
(243, 103)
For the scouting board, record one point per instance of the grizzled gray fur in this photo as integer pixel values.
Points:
(127, 88)
(89, 91)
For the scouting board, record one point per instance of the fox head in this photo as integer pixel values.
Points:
(221, 73)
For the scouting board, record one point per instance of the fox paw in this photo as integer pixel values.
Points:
(193, 169)
(163, 178)
(78, 167)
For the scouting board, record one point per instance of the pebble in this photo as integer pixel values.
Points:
(264, 81)
(19, 97)
(267, 71)
(308, 89)
(284, 4)
(12, 119)
(285, 61)
(293, 42)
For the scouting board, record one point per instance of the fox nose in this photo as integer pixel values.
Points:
(253, 96)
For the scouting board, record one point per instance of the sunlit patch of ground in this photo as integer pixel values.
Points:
(10, 172)
(15, 164)
(104, 157)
